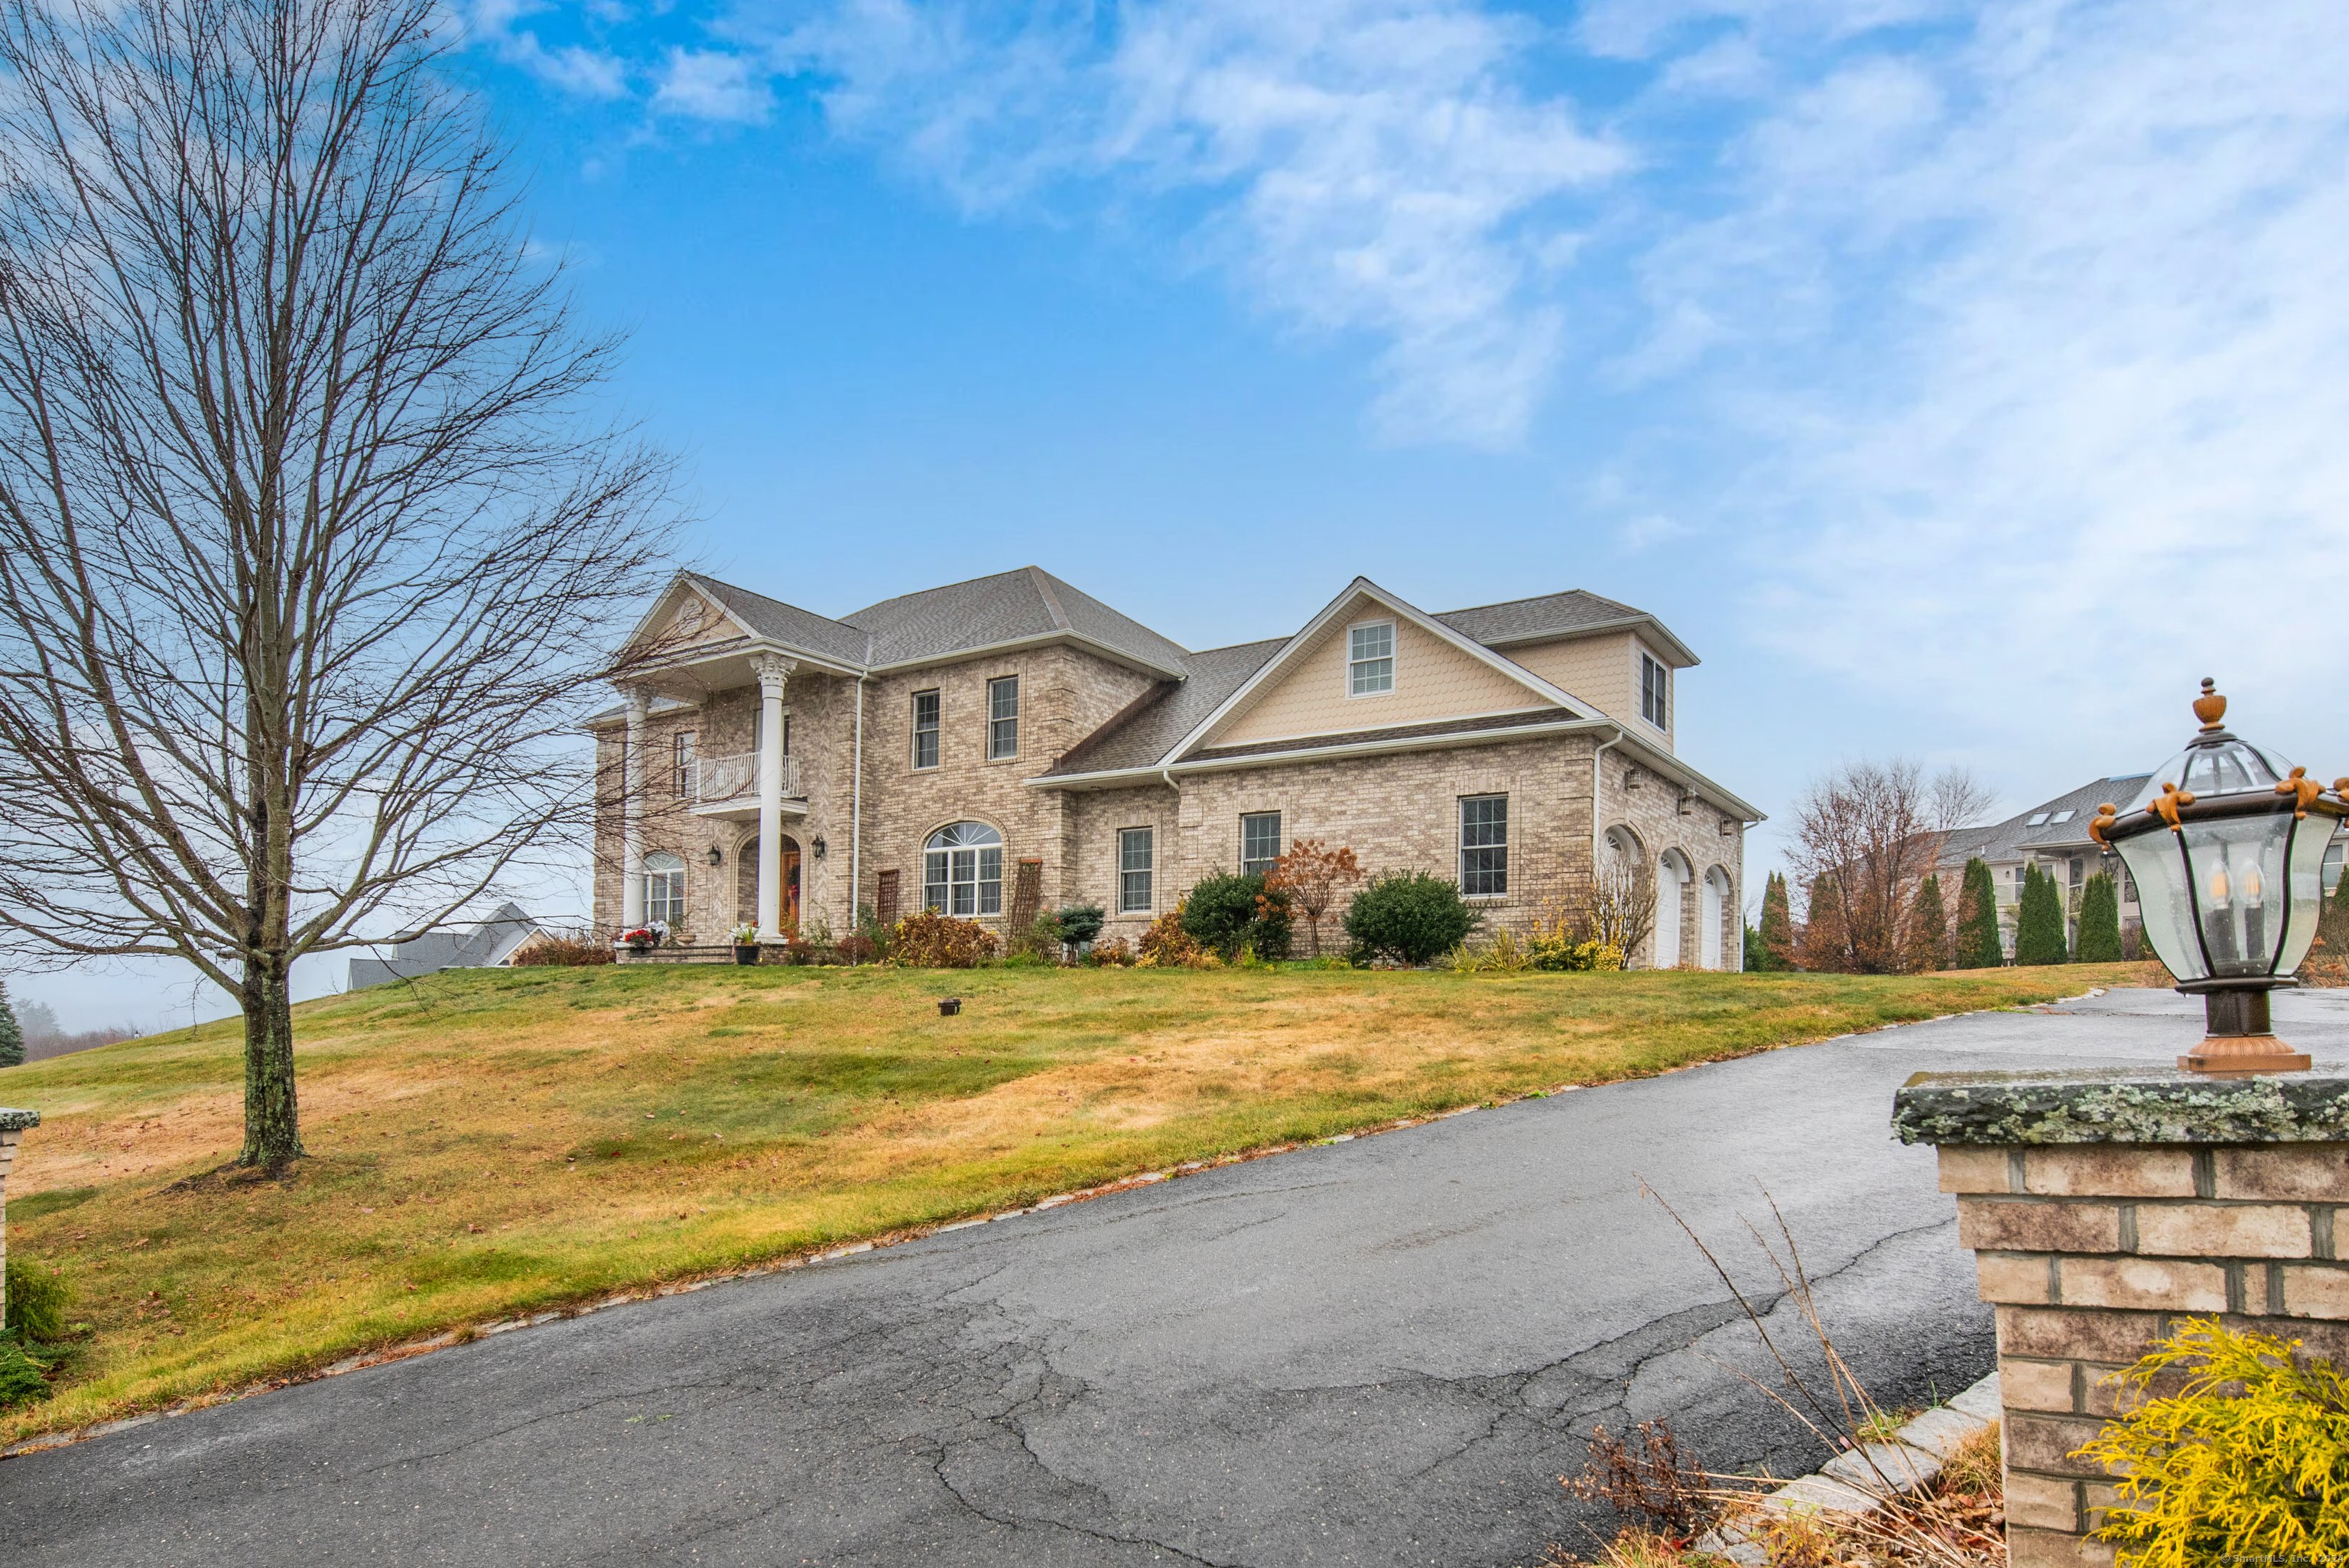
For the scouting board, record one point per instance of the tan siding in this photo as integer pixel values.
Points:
(1433, 680)
(1603, 671)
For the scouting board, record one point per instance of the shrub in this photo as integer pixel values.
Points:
(856, 947)
(1928, 929)
(2100, 922)
(1077, 923)
(1978, 944)
(2039, 934)
(1039, 943)
(1776, 934)
(1227, 913)
(1562, 942)
(933, 940)
(21, 1379)
(1410, 917)
(1112, 954)
(11, 1036)
(1308, 878)
(1166, 945)
(563, 949)
(2248, 1462)
(38, 1299)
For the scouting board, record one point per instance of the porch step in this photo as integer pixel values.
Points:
(676, 955)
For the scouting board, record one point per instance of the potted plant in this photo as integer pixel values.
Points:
(746, 943)
(640, 940)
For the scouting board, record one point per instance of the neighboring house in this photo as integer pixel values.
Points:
(1006, 745)
(487, 945)
(2054, 836)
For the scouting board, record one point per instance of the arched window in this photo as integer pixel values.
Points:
(664, 888)
(962, 869)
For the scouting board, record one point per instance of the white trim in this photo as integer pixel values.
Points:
(1304, 639)
(1595, 629)
(1394, 658)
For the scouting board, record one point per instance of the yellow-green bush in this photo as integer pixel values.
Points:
(2213, 1474)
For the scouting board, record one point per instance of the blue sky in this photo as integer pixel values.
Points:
(1961, 381)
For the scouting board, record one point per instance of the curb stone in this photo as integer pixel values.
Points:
(1849, 1483)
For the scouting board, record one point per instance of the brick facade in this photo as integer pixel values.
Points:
(2091, 1253)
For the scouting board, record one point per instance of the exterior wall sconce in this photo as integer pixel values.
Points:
(716, 856)
(2230, 882)
(816, 844)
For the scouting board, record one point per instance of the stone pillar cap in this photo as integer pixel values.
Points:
(2121, 1105)
(16, 1121)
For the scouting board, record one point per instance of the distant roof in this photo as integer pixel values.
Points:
(785, 622)
(1010, 606)
(1150, 726)
(2019, 835)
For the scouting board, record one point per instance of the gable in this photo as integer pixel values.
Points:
(1433, 680)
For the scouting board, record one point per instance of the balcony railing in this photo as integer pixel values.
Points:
(736, 777)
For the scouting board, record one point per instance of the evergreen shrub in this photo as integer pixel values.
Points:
(38, 1300)
(1409, 917)
(1776, 935)
(2100, 922)
(21, 1379)
(12, 1034)
(1928, 929)
(1978, 944)
(2247, 1462)
(2039, 934)
(1231, 912)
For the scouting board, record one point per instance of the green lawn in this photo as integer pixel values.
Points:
(506, 1141)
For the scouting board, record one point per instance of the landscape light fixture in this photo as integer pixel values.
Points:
(717, 856)
(2227, 844)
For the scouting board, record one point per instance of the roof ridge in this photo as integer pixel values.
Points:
(1043, 580)
(1531, 598)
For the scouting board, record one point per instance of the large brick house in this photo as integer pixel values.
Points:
(1008, 744)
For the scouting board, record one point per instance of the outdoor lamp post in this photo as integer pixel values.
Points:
(2227, 844)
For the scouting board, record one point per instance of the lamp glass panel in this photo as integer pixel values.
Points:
(2309, 846)
(2241, 887)
(2155, 861)
(2229, 768)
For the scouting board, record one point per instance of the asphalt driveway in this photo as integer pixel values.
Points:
(1382, 1352)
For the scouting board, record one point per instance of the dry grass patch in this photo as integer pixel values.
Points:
(493, 1142)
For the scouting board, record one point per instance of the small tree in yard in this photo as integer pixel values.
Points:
(1077, 923)
(1978, 944)
(1410, 917)
(1309, 877)
(1777, 932)
(308, 557)
(1928, 929)
(12, 1034)
(2100, 922)
(2039, 936)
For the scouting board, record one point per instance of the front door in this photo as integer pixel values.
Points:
(746, 860)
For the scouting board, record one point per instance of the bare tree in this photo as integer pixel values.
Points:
(306, 554)
(1867, 834)
(1616, 907)
(1311, 875)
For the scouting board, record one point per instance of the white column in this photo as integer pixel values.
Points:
(773, 673)
(631, 813)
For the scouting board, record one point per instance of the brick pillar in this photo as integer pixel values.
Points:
(13, 1124)
(2101, 1208)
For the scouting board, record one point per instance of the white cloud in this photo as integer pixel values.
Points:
(572, 68)
(1358, 166)
(2042, 330)
(712, 84)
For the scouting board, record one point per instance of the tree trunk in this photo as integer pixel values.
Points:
(273, 1133)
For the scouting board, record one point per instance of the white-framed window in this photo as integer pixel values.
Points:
(2037, 820)
(962, 871)
(1370, 659)
(1134, 845)
(682, 747)
(925, 729)
(1655, 691)
(1002, 717)
(1483, 845)
(1259, 842)
(665, 888)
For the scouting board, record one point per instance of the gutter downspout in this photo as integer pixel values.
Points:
(1598, 817)
(856, 813)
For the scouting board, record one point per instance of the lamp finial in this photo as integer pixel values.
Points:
(2209, 708)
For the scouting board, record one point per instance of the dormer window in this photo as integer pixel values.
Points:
(2038, 820)
(1655, 691)
(2061, 817)
(1370, 659)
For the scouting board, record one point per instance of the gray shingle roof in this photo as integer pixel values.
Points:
(1149, 728)
(2015, 837)
(1498, 721)
(786, 624)
(1029, 603)
(1523, 618)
